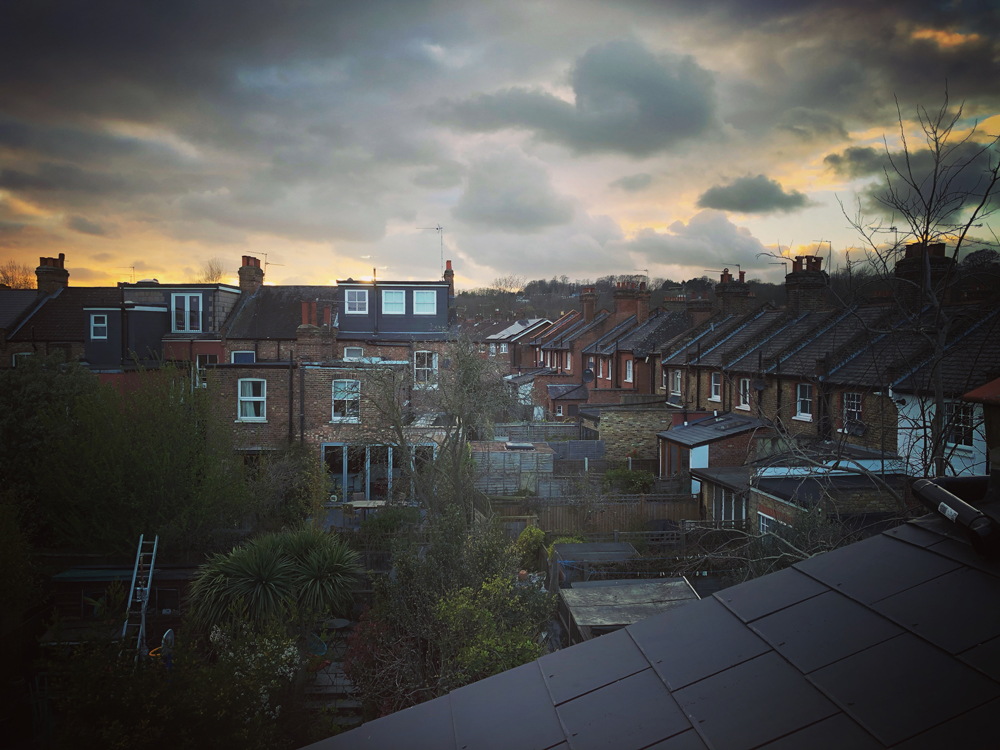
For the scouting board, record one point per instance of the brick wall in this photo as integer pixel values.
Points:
(625, 430)
(74, 350)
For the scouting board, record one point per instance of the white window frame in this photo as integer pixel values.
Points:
(765, 523)
(800, 399)
(261, 399)
(628, 370)
(569, 362)
(425, 376)
(251, 352)
(600, 368)
(503, 348)
(420, 299)
(715, 387)
(735, 501)
(94, 325)
(744, 394)
(354, 357)
(559, 410)
(959, 413)
(359, 303)
(351, 392)
(201, 362)
(852, 415)
(493, 350)
(187, 297)
(389, 299)
(663, 378)
(676, 387)
(19, 356)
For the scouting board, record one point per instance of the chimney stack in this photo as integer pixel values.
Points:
(51, 274)
(732, 297)
(449, 276)
(641, 304)
(588, 301)
(806, 283)
(626, 301)
(251, 275)
(698, 308)
(922, 269)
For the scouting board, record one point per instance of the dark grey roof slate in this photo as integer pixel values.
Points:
(275, 312)
(659, 329)
(877, 644)
(571, 391)
(13, 302)
(574, 331)
(607, 343)
(709, 429)
(61, 317)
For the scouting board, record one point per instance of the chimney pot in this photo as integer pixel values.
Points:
(305, 313)
(743, 275)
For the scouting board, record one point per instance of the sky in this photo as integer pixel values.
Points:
(546, 138)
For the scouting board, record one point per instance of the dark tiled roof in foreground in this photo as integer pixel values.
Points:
(275, 312)
(61, 317)
(890, 642)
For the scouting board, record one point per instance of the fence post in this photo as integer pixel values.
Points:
(630, 463)
(586, 464)
(616, 536)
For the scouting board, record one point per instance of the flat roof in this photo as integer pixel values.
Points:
(603, 604)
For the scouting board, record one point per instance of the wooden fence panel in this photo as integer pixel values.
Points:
(576, 515)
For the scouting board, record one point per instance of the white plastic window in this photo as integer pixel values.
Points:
(346, 401)
(99, 326)
(252, 400)
(186, 313)
(357, 301)
(716, 386)
(424, 302)
(804, 402)
(393, 302)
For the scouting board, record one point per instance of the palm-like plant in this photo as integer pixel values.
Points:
(304, 573)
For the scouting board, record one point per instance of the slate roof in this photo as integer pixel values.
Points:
(13, 302)
(519, 328)
(661, 327)
(577, 391)
(275, 312)
(561, 324)
(806, 492)
(574, 331)
(606, 344)
(705, 335)
(60, 316)
(483, 329)
(709, 429)
(890, 642)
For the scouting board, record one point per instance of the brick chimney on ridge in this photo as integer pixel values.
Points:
(806, 283)
(251, 275)
(51, 274)
(733, 297)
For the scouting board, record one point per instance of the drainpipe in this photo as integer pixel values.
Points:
(302, 404)
(291, 396)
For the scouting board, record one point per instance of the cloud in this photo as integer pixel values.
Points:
(632, 183)
(509, 192)
(810, 124)
(81, 224)
(441, 177)
(708, 239)
(752, 195)
(626, 100)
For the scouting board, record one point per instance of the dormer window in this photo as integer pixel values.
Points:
(186, 313)
(424, 302)
(99, 326)
(357, 301)
(393, 302)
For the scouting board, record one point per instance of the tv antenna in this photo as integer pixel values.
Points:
(440, 230)
(782, 263)
(829, 258)
(266, 264)
(132, 275)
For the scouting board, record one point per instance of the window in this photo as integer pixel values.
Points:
(187, 313)
(744, 393)
(202, 363)
(353, 352)
(804, 402)
(959, 426)
(493, 350)
(503, 348)
(765, 524)
(99, 326)
(569, 361)
(243, 358)
(716, 393)
(676, 387)
(346, 401)
(19, 358)
(600, 371)
(357, 301)
(852, 408)
(663, 379)
(424, 302)
(482, 348)
(728, 506)
(253, 400)
(425, 365)
(559, 411)
(628, 370)
(393, 302)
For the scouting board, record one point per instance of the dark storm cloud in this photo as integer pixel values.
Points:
(80, 224)
(627, 101)
(632, 183)
(511, 193)
(809, 124)
(66, 177)
(752, 195)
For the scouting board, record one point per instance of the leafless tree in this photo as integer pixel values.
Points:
(213, 271)
(17, 275)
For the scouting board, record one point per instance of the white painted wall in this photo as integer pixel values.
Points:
(914, 444)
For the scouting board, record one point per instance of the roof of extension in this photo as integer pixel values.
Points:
(712, 428)
(568, 392)
(275, 312)
(13, 302)
(60, 316)
(890, 642)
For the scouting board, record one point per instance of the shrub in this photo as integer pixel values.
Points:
(527, 545)
(628, 481)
